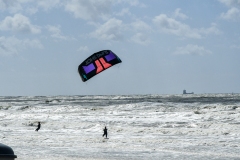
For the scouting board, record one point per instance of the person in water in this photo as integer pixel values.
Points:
(105, 132)
(39, 126)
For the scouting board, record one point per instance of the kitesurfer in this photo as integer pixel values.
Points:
(39, 126)
(105, 132)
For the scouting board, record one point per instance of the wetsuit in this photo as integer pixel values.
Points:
(105, 132)
(39, 126)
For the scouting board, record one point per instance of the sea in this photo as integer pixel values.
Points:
(140, 127)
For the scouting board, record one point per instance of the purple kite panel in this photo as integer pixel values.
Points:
(89, 68)
(110, 56)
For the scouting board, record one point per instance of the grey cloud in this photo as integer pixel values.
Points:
(19, 23)
(90, 9)
(178, 14)
(12, 5)
(142, 30)
(192, 50)
(111, 30)
(12, 45)
(56, 32)
(172, 26)
(231, 3)
(131, 2)
(140, 26)
(141, 38)
(46, 4)
(233, 12)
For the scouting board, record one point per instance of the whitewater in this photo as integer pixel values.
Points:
(140, 127)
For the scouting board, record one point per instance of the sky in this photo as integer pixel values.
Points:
(165, 46)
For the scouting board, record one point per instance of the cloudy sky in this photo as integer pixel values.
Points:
(165, 45)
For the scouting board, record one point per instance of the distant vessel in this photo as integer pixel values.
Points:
(185, 92)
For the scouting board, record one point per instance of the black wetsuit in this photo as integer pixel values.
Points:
(105, 132)
(39, 126)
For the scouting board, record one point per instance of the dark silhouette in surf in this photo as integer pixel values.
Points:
(105, 132)
(38, 127)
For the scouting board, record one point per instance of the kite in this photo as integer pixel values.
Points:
(97, 63)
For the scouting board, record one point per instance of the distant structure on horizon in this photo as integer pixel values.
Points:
(185, 92)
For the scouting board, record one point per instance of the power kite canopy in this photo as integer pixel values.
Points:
(97, 63)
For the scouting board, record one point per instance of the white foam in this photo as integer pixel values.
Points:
(139, 127)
